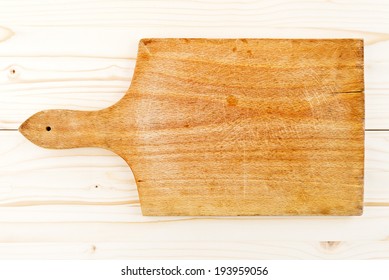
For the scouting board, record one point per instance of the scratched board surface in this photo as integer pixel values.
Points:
(232, 127)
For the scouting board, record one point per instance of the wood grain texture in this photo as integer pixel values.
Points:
(80, 55)
(91, 178)
(82, 58)
(232, 127)
(104, 223)
(285, 250)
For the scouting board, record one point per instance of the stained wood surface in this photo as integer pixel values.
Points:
(232, 127)
(81, 56)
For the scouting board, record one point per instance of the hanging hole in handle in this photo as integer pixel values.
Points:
(48, 128)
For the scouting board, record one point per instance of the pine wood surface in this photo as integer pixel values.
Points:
(82, 203)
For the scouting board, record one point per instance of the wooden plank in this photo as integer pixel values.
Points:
(267, 250)
(31, 84)
(198, 13)
(84, 226)
(63, 74)
(376, 167)
(80, 82)
(33, 180)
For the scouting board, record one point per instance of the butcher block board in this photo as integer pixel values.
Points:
(232, 127)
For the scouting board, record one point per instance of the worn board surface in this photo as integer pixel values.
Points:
(233, 127)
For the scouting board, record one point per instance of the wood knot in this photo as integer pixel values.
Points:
(330, 245)
(13, 72)
(93, 249)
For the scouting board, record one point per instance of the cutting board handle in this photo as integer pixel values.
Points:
(63, 129)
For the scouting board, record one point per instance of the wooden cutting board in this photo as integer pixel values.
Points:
(232, 127)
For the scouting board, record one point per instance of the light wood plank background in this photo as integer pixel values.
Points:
(83, 204)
